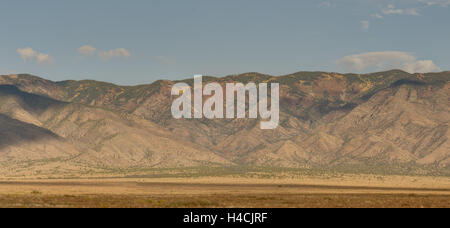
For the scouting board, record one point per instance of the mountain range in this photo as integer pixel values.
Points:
(385, 121)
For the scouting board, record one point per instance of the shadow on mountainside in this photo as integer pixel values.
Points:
(14, 132)
(30, 102)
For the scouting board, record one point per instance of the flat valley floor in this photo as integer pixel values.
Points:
(216, 192)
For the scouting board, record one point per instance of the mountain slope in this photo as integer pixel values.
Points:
(101, 137)
(386, 119)
(399, 125)
(22, 142)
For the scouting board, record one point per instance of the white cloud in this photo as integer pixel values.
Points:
(377, 15)
(423, 66)
(28, 54)
(375, 59)
(44, 59)
(387, 60)
(87, 50)
(365, 25)
(442, 3)
(119, 52)
(325, 5)
(391, 10)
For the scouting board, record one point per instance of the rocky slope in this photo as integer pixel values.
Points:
(389, 119)
(38, 128)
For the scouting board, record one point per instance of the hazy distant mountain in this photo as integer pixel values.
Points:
(387, 120)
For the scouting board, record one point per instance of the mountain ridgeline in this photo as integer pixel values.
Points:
(385, 122)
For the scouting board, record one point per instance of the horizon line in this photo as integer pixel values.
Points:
(219, 77)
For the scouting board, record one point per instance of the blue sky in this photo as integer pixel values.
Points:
(140, 41)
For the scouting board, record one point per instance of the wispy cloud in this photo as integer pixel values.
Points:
(365, 25)
(422, 66)
(392, 10)
(44, 58)
(387, 60)
(442, 3)
(87, 50)
(28, 54)
(377, 15)
(116, 53)
(325, 4)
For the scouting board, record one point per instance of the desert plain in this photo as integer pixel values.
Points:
(337, 191)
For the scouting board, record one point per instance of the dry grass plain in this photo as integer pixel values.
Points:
(345, 191)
